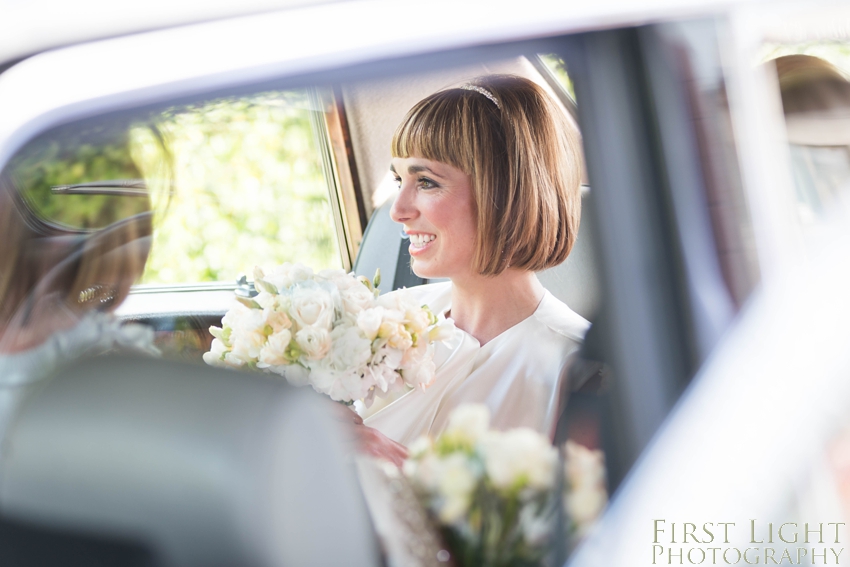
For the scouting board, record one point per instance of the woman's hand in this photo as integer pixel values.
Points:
(370, 441)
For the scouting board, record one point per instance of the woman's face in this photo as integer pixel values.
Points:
(436, 206)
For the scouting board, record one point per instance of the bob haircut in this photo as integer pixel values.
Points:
(522, 155)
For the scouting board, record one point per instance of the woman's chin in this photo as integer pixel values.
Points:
(423, 270)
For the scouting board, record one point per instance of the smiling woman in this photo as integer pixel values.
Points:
(488, 178)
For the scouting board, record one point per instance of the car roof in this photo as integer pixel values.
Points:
(25, 31)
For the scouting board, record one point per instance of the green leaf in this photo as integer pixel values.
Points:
(248, 302)
(265, 286)
(376, 281)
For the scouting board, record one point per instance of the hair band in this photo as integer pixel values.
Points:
(483, 91)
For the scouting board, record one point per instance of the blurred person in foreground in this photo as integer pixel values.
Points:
(58, 289)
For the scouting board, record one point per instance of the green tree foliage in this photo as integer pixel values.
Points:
(248, 189)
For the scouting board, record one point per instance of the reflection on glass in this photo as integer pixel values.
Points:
(232, 183)
(559, 69)
(820, 175)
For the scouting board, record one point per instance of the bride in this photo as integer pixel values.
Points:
(488, 178)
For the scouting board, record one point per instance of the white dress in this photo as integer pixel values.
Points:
(518, 375)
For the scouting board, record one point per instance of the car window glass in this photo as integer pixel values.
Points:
(815, 91)
(232, 182)
(558, 67)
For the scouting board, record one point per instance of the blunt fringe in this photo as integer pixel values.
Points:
(524, 161)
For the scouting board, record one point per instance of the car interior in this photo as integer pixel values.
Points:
(294, 168)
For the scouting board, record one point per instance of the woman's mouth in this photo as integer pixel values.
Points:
(419, 242)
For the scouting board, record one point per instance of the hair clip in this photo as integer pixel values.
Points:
(483, 91)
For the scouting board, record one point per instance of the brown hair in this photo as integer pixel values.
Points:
(88, 271)
(810, 84)
(522, 154)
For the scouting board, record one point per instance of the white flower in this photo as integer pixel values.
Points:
(312, 307)
(216, 353)
(314, 342)
(585, 475)
(519, 457)
(357, 297)
(274, 352)
(248, 333)
(382, 376)
(419, 447)
(296, 375)
(469, 421)
(369, 321)
(442, 331)
(300, 273)
(417, 365)
(536, 527)
(456, 482)
(285, 275)
(277, 320)
(349, 349)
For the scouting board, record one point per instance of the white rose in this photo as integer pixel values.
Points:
(277, 276)
(519, 453)
(300, 273)
(274, 352)
(311, 306)
(357, 298)
(369, 321)
(469, 421)
(338, 277)
(349, 349)
(296, 374)
(314, 342)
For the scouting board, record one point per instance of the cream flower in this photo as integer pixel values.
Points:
(314, 342)
(469, 421)
(369, 321)
(519, 457)
(455, 484)
(349, 349)
(216, 353)
(417, 366)
(274, 352)
(312, 307)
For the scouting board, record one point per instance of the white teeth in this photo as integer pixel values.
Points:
(420, 240)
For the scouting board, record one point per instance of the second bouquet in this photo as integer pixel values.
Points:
(331, 330)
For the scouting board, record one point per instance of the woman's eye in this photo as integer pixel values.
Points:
(397, 181)
(426, 183)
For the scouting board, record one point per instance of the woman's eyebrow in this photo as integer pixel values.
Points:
(418, 168)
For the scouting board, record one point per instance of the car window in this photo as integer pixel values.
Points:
(812, 79)
(230, 182)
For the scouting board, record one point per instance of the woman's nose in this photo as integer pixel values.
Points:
(403, 208)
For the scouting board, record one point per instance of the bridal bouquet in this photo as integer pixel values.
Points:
(331, 330)
(496, 495)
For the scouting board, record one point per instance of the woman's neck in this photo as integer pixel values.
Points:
(487, 306)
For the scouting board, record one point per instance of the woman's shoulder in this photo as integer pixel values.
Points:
(559, 318)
